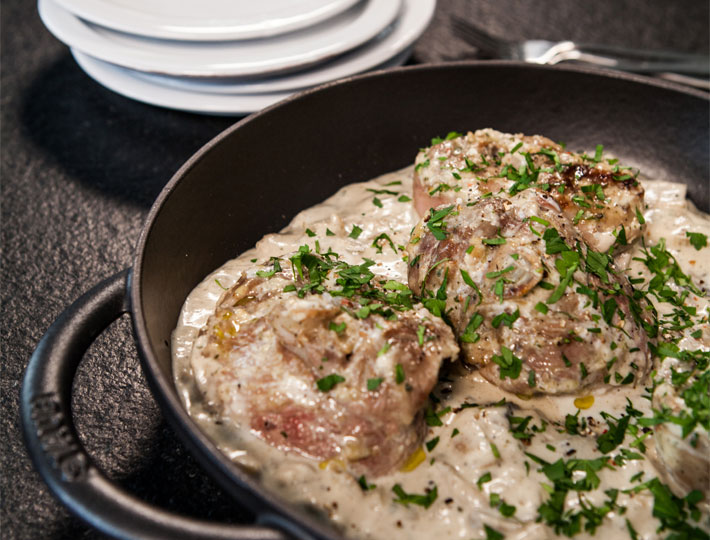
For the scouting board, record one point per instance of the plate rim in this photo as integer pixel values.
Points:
(413, 19)
(125, 51)
(124, 19)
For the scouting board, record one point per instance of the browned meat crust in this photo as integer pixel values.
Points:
(535, 309)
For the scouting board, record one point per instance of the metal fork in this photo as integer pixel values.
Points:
(673, 65)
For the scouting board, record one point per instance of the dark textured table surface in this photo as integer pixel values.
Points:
(80, 169)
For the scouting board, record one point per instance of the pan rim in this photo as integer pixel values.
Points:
(209, 456)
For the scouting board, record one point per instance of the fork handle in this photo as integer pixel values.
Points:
(636, 60)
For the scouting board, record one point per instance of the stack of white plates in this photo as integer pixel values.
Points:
(232, 57)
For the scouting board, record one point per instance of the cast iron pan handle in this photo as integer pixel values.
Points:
(54, 445)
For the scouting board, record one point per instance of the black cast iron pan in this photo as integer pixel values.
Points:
(254, 177)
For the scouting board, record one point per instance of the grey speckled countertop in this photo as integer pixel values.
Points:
(80, 169)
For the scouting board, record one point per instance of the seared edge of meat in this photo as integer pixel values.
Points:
(598, 195)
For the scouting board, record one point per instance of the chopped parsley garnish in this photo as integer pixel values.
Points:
(505, 509)
(697, 407)
(421, 329)
(421, 165)
(468, 281)
(498, 240)
(399, 374)
(483, 479)
(449, 136)
(355, 232)
(374, 383)
(378, 241)
(506, 319)
(554, 242)
(327, 383)
(469, 334)
(275, 268)
(430, 445)
(673, 512)
(337, 328)
(383, 191)
(531, 379)
(436, 223)
(639, 217)
(573, 475)
(598, 153)
(492, 534)
(697, 240)
(220, 285)
(614, 436)
(496, 452)
(406, 499)
(362, 482)
(497, 274)
(510, 365)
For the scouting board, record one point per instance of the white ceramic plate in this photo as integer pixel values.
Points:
(206, 20)
(130, 84)
(256, 57)
(413, 18)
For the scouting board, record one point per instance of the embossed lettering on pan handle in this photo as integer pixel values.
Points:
(56, 450)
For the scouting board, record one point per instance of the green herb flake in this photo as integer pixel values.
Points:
(497, 274)
(469, 335)
(614, 436)
(492, 534)
(436, 223)
(355, 233)
(506, 319)
(374, 384)
(421, 165)
(639, 217)
(431, 418)
(384, 349)
(697, 240)
(220, 285)
(598, 153)
(498, 240)
(384, 237)
(431, 444)
(399, 374)
(496, 452)
(510, 365)
(337, 328)
(421, 329)
(531, 379)
(483, 479)
(406, 499)
(362, 482)
(275, 268)
(327, 383)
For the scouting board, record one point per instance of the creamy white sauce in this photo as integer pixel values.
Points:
(473, 441)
